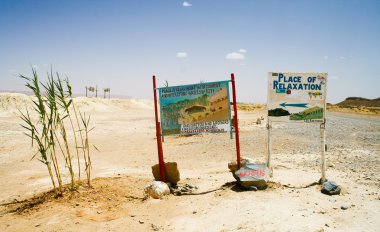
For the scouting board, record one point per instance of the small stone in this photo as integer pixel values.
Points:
(344, 207)
(330, 188)
(133, 215)
(327, 225)
(194, 212)
(141, 221)
(77, 204)
(155, 228)
(157, 190)
(98, 212)
(37, 225)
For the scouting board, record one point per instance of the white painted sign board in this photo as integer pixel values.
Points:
(297, 97)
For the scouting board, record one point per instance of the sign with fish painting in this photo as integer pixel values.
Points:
(195, 109)
(297, 97)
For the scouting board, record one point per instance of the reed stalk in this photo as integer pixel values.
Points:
(87, 130)
(70, 94)
(41, 138)
(52, 119)
(65, 104)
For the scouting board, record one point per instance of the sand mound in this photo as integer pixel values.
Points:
(11, 103)
(103, 105)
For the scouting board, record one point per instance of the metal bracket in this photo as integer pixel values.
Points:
(323, 125)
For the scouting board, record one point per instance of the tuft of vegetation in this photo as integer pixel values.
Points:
(278, 112)
(54, 105)
(248, 106)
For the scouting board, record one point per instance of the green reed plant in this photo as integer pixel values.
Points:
(65, 103)
(49, 132)
(87, 157)
(53, 119)
(66, 98)
(39, 131)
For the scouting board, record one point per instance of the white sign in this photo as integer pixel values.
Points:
(297, 97)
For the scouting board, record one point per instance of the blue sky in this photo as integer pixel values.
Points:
(121, 44)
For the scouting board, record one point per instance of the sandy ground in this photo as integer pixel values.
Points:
(125, 134)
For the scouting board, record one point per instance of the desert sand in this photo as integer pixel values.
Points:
(125, 135)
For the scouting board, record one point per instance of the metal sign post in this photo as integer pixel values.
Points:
(161, 162)
(269, 148)
(236, 124)
(323, 151)
(107, 90)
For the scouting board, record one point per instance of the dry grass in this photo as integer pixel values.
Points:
(250, 106)
(355, 109)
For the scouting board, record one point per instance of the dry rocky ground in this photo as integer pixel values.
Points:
(124, 133)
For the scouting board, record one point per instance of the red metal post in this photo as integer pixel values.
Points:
(158, 134)
(236, 124)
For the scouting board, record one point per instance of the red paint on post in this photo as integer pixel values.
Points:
(158, 134)
(236, 124)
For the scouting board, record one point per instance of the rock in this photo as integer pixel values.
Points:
(141, 221)
(254, 188)
(253, 175)
(330, 188)
(157, 190)
(258, 121)
(171, 172)
(155, 228)
(344, 207)
(243, 161)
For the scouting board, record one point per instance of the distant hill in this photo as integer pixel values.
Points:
(359, 101)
